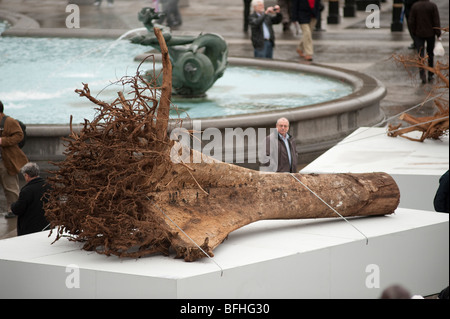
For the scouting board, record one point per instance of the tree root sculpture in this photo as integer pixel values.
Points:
(432, 127)
(119, 192)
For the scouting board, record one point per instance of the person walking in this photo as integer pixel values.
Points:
(29, 206)
(407, 4)
(305, 13)
(424, 23)
(11, 158)
(261, 21)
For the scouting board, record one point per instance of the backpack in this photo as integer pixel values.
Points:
(22, 126)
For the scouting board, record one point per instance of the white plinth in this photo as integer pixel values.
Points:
(321, 258)
(416, 167)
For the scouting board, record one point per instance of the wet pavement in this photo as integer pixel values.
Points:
(349, 44)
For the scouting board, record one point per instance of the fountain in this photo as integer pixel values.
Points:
(317, 124)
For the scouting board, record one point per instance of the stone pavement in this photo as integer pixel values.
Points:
(348, 44)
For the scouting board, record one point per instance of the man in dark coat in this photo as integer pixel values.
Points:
(261, 21)
(425, 24)
(29, 206)
(280, 150)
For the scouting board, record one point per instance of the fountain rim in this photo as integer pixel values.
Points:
(366, 91)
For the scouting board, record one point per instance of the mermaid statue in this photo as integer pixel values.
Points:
(197, 61)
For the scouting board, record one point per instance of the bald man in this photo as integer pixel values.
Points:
(281, 149)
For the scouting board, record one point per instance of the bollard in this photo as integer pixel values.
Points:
(80, 2)
(350, 8)
(319, 18)
(333, 12)
(361, 5)
(397, 16)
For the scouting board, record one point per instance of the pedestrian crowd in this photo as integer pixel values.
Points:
(422, 18)
(304, 14)
(26, 204)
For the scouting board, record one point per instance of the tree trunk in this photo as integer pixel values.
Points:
(119, 191)
(234, 197)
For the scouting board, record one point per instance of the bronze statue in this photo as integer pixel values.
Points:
(197, 61)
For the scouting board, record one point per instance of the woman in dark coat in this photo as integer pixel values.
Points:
(29, 206)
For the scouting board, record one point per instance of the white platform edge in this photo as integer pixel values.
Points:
(268, 259)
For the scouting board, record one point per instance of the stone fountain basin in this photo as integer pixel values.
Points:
(316, 127)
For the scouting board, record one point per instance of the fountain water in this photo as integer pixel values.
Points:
(3, 26)
(55, 67)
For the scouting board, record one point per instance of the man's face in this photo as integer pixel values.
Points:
(283, 127)
(259, 7)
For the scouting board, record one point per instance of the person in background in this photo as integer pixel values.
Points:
(398, 292)
(173, 16)
(442, 198)
(407, 4)
(424, 23)
(305, 13)
(280, 149)
(285, 7)
(98, 3)
(261, 21)
(11, 159)
(444, 293)
(29, 205)
(246, 14)
(395, 292)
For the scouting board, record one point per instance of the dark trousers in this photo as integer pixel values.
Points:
(266, 51)
(422, 45)
(246, 13)
(173, 16)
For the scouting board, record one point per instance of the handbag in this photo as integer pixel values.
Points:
(438, 49)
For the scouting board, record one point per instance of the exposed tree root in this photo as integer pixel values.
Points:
(119, 192)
